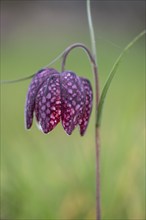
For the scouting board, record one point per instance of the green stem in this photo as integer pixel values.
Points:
(97, 136)
(91, 30)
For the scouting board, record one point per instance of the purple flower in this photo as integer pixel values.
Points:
(55, 96)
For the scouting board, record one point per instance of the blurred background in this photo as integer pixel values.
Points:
(53, 176)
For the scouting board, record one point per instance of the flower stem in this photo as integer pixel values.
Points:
(95, 72)
(97, 144)
(97, 138)
(91, 58)
(91, 30)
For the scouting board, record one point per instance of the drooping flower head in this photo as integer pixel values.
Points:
(55, 97)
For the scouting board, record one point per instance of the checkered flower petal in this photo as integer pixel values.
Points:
(83, 123)
(54, 97)
(48, 104)
(72, 100)
(34, 87)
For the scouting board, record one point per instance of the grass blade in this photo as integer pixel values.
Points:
(111, 75)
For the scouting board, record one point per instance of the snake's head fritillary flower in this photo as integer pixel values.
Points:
(55, 96)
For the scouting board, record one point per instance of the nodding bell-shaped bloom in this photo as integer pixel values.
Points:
(55, 96)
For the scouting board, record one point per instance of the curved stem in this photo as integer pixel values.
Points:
(95, 72)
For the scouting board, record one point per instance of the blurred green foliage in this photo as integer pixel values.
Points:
(53, 176)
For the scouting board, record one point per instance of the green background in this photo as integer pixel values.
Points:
(53, 176)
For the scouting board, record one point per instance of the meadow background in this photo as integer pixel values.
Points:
(53, 176)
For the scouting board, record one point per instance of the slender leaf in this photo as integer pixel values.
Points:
(111, 75)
